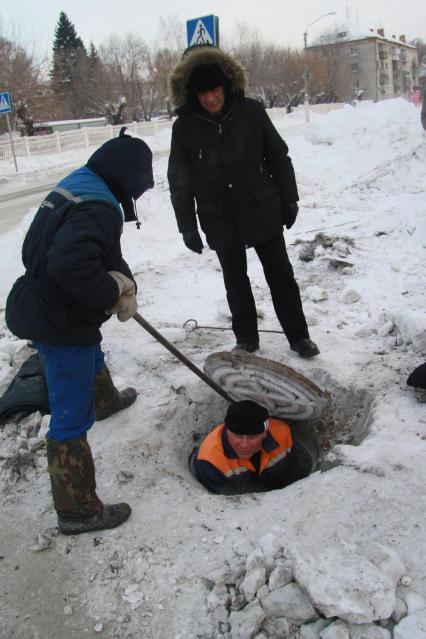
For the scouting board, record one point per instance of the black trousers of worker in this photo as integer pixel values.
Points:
(280, 279)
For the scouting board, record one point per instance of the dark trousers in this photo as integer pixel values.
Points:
(280, 279)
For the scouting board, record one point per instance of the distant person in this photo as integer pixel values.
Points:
(75, 279)
(250, 452)
(423, 113)
(229, 166)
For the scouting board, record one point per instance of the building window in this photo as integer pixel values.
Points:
(342, 34)
(354, 51)
(355, 66)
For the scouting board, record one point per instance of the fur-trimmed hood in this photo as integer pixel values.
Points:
(179, 76)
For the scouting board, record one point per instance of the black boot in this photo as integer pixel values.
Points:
(72, 478)
(249, 347)
(108, 400)
(305, 348)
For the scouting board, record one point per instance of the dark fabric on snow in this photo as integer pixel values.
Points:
(417, 378)
(27, 393)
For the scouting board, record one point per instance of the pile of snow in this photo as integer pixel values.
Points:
(358, 253)
(267, 590)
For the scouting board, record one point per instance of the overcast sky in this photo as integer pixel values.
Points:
(279, 21)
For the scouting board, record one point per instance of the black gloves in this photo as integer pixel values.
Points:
(192, 240)
(289, 213)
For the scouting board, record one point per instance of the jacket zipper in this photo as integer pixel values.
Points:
(219, 126)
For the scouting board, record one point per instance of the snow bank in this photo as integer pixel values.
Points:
(362, 177)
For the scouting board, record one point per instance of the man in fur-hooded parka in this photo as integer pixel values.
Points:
(230, 168)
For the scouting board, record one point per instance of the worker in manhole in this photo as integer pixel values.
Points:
(229, 167)
(251, 452)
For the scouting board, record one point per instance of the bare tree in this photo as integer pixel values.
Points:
(275, 73)
(168, 50)
(22, 76)
(327, 76)
(171, 35)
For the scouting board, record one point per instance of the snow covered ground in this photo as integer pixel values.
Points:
(362, 178)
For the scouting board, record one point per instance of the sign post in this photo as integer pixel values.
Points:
(6, 108)
(201, 31)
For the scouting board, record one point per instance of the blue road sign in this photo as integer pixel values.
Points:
(203, 31)
(5, 103)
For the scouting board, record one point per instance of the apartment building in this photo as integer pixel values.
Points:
(368, 63)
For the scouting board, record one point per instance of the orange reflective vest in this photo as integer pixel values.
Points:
(220, 470)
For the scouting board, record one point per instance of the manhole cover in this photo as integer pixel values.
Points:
(282, 390)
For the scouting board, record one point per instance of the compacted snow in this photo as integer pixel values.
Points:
(337, 555)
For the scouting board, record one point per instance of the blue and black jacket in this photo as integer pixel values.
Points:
(72, 243)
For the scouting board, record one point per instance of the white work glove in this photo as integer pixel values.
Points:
(126, 305)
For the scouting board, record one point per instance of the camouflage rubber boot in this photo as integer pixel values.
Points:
(72, 478)
(108, 400)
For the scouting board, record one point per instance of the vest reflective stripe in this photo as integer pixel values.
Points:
(236, 471)
(211, 450)
(277, 459)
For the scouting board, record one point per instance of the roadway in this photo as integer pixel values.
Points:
(16, 201)
(15, 204)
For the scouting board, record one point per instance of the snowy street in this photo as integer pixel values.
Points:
(351, 535)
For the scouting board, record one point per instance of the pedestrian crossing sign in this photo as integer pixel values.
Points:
(5, 103)
(204, 30)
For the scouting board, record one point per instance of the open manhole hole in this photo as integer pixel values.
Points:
(319, 408)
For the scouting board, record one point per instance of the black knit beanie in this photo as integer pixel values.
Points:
(246, 418)
(205, 77)
(125, 164)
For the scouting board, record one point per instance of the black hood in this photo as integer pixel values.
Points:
(125, 164)
(204, 57)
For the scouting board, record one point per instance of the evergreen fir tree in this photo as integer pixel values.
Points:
(93, 54)
(67, 47)
(66, 35)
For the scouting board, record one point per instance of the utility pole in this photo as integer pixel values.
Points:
(306, 68)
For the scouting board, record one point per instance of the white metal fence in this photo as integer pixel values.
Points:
(95, 136)
(78, 139)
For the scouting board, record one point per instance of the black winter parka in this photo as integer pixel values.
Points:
(72, 243)
(236, 170)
